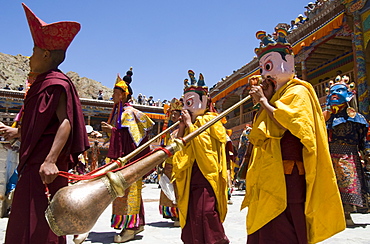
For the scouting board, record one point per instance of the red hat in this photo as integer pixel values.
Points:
(54, 36)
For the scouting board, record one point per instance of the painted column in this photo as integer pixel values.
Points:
(360, 66)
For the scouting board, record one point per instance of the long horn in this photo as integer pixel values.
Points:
(128, 157)
(75, 209)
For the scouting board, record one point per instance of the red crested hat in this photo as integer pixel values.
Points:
(54, 36)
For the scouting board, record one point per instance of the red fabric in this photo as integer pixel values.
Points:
(54, 36)
(40, 123)
(27, 223)
(289, 226)
(203, 223)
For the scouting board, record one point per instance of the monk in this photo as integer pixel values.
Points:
(200, 170)
(52, 133)
(291, 191)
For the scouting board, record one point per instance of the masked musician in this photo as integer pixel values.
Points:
(347, 131)
(128, 128)
(52, 132)
(291, 191)
(200, 169)
(168, 205)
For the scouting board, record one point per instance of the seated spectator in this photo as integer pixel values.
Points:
(6, 87)
(164, 102)
(150, 101)
(140, 99)
(293, 26)
(20, 88)
(301, 20)
(100, 95)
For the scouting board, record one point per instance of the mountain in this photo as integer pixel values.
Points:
(14, 71)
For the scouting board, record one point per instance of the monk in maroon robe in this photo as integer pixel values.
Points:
(52, 134)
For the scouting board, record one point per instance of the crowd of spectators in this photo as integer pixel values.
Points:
(19, 88)
(143, 100)
(312, 9)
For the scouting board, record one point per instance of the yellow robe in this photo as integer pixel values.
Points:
(298, 110)
(208, 149)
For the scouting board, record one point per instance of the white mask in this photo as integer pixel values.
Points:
(272, 65)
(194, 105)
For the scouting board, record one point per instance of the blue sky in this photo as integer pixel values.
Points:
(160, 39)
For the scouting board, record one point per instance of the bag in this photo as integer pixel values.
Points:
(167, 188)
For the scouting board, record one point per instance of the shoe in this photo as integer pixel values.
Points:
(80, 238)
(141, 229)
(125, 235)
(176, 223)
(349, 221)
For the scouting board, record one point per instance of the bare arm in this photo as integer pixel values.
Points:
(48, 170)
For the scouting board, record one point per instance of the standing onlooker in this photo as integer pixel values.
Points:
(52, 133)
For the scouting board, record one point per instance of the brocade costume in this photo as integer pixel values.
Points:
(347, 136)
(129, 132)
(168, 208)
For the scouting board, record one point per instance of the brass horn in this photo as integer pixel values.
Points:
(75, 209)
(128, 157)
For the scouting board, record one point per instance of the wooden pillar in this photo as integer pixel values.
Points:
(304, 70)
(241, 111)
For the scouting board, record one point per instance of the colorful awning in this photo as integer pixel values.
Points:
(334, 23)
(155, 115)
(325, 29)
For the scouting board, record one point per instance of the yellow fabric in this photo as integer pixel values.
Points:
(208, 149)
(298, 109)
(137, 123)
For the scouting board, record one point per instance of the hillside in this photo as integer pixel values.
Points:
(14, 70)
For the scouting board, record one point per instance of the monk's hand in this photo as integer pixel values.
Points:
(48, 171)
(257, 94)
(106, 127)
(8, 132)
(185, 118)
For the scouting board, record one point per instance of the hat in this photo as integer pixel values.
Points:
(128, 75)
(341, 81)
(195, 86)
(175, 104)
(122, 85)
(54, 36)
(268, 44)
